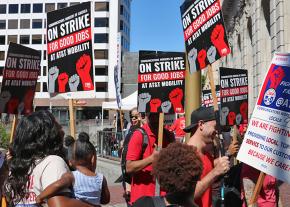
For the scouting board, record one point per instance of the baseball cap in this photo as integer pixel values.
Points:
(202, 113)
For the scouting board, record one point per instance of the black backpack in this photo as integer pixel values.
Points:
(125, 176)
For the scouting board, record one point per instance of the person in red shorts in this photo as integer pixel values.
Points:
(178, 127)
(203, 131)
(140, 165)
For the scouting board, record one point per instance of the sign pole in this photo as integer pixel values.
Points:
(257, 188)
(72, 118)
(14, 124)
(235, 139)
(192, 93)
(121, 123)
(160, 142)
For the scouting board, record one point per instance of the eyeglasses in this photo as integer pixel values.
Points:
(134, 116)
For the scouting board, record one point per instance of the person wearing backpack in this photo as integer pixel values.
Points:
(177, 169)
(141, 153)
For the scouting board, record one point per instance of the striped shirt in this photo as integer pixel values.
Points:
(88, 188)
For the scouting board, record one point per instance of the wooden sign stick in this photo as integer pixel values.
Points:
(257, 189)
(121, 123)
(212, 88)
(160, 142)
(72, 118)
(14, 124)
(235, 139)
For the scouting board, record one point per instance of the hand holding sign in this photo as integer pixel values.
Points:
(4, 98)
(52, 76)
(201, 58)
(62, 81)
(155, 104)
(192, 55)
(175, 96)
(83, 67)
(144, 98)
(74, 82)
(218, 39)
(166, 106)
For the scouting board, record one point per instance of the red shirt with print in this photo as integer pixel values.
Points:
(143, 183)
(206, 199)
(178, 126)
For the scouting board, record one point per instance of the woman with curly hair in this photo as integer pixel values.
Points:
(37, 162)
(177, 169)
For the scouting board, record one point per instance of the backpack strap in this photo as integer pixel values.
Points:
(145, 140)
(158, 201)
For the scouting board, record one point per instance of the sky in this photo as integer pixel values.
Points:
(156, 25)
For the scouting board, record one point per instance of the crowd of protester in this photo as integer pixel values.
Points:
(42, 168)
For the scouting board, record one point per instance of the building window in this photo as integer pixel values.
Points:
(2, 39)
(2, 8)
(24, 39)
(101, 54)
(12, 38)
(1, 72)
(37, 8)
(121, 25)
(101, 70)
(25, 8)
(44, 87)
(44, 23)
(44, 54)
(2, 55)
(13, 24)
(37, 23)
(102, 38)
(121, 9)
(44, 71)
(61, 5)
(24, 23)
(2, 24)
(101, 87)
(13, 8)
(49, 7)
(101, 6)
(36, 39)
(37, 87)
(44, 39)
(101, 22)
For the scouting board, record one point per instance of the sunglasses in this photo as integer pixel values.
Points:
(134, 116)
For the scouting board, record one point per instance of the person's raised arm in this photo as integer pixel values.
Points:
(66, 181)
(105, 195)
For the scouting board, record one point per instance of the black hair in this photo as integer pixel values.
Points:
(84, 150)
(68, 148)
(37, 136)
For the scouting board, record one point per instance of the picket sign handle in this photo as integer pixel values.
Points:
(257, 189)
(121, 123)
(14, 124)
(212, 87)
(72, 118)
(160, 142)
(235, 139)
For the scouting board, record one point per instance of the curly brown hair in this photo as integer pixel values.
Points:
(178, 168)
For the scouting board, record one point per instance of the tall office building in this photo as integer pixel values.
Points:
(24, 22)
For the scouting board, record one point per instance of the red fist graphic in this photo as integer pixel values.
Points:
(231, 118)
(12, 105)
(276, 77)
(201, 58)
(155, 104)
(175, 97)
(218, 40)
(83, 67)
(244, 111)
(62, 81)
(28, 100)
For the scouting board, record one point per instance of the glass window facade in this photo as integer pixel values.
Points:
(25, 8)
(101, 54)
(24, 39)
(101, 38)
(2, 39)
(102, 22)
(2, 24)
(36, 39)
(37, 8)
(37, 23)
(49, 7)
(13, 24)
(2, 8)
(24, 23)
(101, 6)
(12, 38)
(13, 8)
(101, 87)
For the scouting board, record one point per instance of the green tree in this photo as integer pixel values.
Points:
(4, 137)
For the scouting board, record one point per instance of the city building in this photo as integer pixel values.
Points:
(24, 22)
(256, 30)
(130, 66)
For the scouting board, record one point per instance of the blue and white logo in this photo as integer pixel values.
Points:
(269, 96)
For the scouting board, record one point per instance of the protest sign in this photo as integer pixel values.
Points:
(117, 73)
(266, 145)
(207, 99)
(161, 82)
(204, 32)
(69, 49)
(234, 96)
(21, 71)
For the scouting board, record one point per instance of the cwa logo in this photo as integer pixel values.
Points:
(269, 96)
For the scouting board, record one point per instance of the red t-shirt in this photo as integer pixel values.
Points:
(143, 183)
(267, 196)
(206, 199)
(178, 126)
